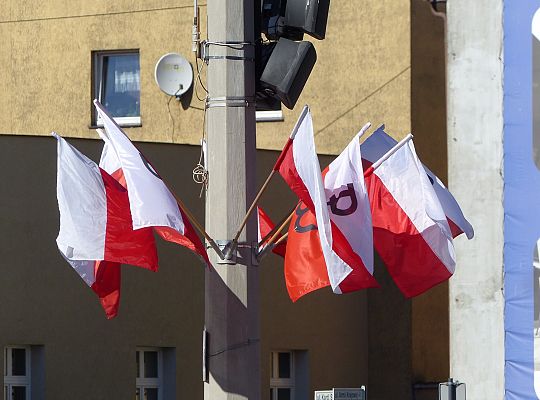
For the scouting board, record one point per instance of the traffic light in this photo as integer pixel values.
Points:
(284, 60)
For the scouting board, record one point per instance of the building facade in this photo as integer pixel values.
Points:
(381, 62)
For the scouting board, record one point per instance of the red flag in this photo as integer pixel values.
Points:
(107, 286)
(305, 269)
(265, 226)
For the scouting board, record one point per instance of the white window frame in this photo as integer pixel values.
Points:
(9, 379)
(281, 383)
(98, 84)
(141, 382)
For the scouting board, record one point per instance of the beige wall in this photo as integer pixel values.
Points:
(367, 70)
(362, 73)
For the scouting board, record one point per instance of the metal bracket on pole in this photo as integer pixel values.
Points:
(234, 46)
(254, 254)
(230, 256)
(237, 252)
(230, 101)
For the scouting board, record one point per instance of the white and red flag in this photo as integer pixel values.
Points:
(151, 202)
(340, 206)
(95, 226)
(380, 142)
(410, 230)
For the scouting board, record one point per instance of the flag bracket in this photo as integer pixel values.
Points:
(229, 257)
(235, 252)
(255, 254)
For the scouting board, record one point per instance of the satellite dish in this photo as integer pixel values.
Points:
(173, 74)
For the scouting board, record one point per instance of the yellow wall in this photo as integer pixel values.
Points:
(362, 73)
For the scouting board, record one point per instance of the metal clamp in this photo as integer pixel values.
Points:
(230, 101)
(234, 45)
(230, 256)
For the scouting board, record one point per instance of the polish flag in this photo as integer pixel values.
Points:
(299, 166)
(410, 229)
(151, 202)
(264, 227)
(95, 226)
(380, 142)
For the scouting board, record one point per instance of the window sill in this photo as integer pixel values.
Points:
(122, 125)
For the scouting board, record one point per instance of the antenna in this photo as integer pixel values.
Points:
(174, 74)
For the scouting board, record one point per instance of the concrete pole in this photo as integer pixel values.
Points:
(475, 158)
(231, 291)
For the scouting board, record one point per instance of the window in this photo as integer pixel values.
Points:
(156, 373)
(289, 377)
(17, 373)
(149, 374)
(117, 85)
(282, 379)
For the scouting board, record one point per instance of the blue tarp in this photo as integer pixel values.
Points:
(521, 200)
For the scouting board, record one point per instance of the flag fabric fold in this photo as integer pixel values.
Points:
(300, 169)
(380, 142)
(410, 229)
(95, 226)
(305, 269)
(151, 202)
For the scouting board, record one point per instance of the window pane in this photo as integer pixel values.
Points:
(18, 393)
(271, 394)
(284, 365)
(121, 85)
(138, 363)
(18, 362)
(151, 394)
(284, 394)
(138, 392)
(150, 364)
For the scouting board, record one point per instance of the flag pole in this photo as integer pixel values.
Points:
(278, 231)
(272, 246)
(198, 226)
(387, 155)
(273, 230)
(281, 239)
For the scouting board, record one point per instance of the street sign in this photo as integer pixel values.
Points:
(342, 394)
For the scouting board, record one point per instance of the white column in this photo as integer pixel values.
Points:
(475, 150)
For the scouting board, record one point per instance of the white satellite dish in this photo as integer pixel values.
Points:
(173, 74)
